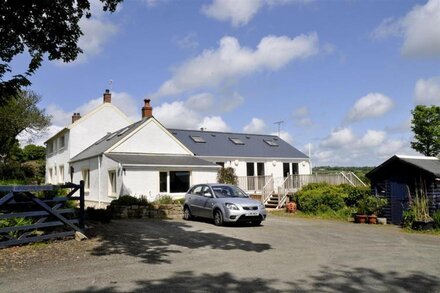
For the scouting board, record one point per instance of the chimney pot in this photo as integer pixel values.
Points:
(75, 117)
(107, 97)
(147, 110)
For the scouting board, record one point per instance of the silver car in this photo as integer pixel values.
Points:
(223, 203)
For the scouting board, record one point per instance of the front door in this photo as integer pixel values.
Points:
(399, 197)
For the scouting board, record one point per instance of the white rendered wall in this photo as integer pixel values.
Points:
(58, 157)
(89, 129)
(151, 139)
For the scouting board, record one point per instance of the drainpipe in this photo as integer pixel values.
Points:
(99, 181)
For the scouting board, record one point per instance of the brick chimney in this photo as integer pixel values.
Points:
(75, 116)
(147, 110)
(107, 97)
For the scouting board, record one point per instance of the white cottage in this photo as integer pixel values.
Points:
(80, 134)
(116, 158)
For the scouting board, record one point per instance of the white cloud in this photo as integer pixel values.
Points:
(214, 123)
(339, 138)
(229, 104)
(372, 138)
(240, 12)
(301, 116)
(190, 41)
(255, 126)
(427, 91)
(371, 105)
(284, 135)
(97, 31)
(176, 115)
(231, 61)
(419, 29)
(237, 12)
(200, 102)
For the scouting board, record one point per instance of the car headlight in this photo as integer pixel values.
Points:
(231, 206)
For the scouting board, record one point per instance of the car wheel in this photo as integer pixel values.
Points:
(187, 214)
(256, 223)
(218, 218)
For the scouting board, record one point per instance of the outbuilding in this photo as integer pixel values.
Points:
(400, 177)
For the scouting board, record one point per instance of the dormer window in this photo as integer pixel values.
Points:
(236, 140)
(271, 142)
(197, 139)
(62, 142)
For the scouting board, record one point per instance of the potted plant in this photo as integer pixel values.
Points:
(420, 208)
(361, 211)
(374, 206)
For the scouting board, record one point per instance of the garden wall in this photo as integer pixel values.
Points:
(146, 211)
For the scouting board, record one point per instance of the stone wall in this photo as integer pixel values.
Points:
(141, 211)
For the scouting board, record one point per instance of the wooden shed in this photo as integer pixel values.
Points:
(399, 177)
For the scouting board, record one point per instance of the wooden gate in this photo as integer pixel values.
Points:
(37, 214)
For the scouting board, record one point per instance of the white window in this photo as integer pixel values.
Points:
(112, 183)
(61, 174)
(62, 141)
(86, 179)
(49, 147)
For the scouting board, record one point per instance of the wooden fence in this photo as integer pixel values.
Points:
(33, 213)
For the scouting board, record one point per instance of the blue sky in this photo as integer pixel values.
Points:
(342, 75)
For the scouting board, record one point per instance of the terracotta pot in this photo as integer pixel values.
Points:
(372, 219)
(291, 207)
(361, 219)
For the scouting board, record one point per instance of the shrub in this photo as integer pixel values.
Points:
(125, 200)
(436, 218)
(16, 222)
(227, 176)
(355, 194)
(101, 215)
(165, 199)
(319, 199)
(409, 217)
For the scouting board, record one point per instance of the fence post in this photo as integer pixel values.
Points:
(81, 204)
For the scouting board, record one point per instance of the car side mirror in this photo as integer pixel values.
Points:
(207, 194)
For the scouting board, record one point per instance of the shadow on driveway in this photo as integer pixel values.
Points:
(151, 240)
(341, 280)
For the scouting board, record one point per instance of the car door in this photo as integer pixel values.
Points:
(195, 200)
(207, 201)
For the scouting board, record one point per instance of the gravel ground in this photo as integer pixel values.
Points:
(176, 256)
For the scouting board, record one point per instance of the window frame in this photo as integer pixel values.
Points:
(86, 179)
(169, 183)
(110, 183)
(61, 174)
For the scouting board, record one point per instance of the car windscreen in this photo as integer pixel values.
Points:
(228, 191)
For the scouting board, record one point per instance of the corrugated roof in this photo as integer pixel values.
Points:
(159, 160)
(220, 144)
(106, 142)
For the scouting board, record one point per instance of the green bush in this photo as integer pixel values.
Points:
(126, 200)
(436, 218)
(320, 199)
(16, 222)
(313, 186)
(165, 199)
(409, 217)
(355, 194)
(227, 176)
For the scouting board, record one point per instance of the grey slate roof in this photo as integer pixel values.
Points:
(218, 144)
(160, 160)
(429, 165)
(106, 142)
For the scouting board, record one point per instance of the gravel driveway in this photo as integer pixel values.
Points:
(282, 255)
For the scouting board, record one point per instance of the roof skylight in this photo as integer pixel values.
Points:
(197, 139)
(236, 140)
(270, 142)
(122, 131)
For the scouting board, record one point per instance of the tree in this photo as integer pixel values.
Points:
(40, 27)
(20, 113)
(426, 128)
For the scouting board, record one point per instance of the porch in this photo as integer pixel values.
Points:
(273, 192)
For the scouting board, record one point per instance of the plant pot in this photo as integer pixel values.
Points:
(291, 207)
(372, 219)
(361, 219)
(423, 226)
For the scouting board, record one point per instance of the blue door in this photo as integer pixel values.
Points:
(399, 201)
